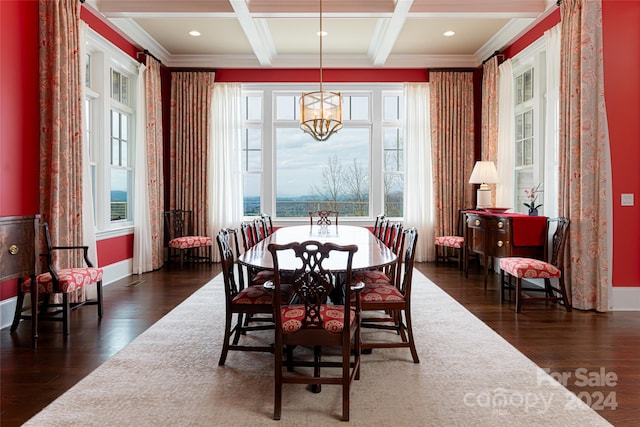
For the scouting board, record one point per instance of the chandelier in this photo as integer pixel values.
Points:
(321, 112)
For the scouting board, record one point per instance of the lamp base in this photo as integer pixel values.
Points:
(483, 198)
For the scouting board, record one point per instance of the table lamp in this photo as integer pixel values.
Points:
(484, 173)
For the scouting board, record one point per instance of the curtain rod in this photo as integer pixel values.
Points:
(496, 53)
(146, 52)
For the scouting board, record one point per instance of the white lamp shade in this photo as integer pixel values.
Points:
(484, 172)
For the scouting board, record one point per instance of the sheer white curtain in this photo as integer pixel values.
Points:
(88, 215)
(142, 242)
(225, 176)
(418, 200)
(505, 196)
(552, 126)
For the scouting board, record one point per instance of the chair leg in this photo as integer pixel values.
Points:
(182, 251)
(518, 294)
(19, 303)
(501, 286)
(99, 292)
(65, 314)
(412, 343)
(227, 337)
(277, 403)
(563, 291)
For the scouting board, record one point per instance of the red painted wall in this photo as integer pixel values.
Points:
(19, 112)
(621, 39)
(19, 116)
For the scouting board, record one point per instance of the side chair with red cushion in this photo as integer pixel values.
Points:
(311, 322)
(64, 281)
(391, 300)
(181, 241)
(529, 268)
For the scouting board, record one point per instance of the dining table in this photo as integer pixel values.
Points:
(372, 252)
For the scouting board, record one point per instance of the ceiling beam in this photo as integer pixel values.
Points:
(387, 32)
(257, 34)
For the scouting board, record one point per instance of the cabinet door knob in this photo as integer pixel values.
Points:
(13, 250)
(500, 224)
(477, 222)
(500, 243)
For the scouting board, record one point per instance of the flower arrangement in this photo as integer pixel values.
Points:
(532, 197)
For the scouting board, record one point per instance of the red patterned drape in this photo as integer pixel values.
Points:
(452, 134)
(61, 123)
(191, 94)
(155, 179)
(490, 115)
(584, 149)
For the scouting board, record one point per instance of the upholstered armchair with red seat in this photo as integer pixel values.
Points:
(551, 267)
(54, 280)
(181, 241)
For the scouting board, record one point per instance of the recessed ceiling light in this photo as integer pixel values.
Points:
(194, 33)
(449, 33)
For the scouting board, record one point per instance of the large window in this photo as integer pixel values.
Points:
(109, 132)
(529, 138)
(359, 171)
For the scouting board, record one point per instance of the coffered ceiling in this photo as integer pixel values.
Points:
(283, 33)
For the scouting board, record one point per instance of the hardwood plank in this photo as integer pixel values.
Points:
(551, 337)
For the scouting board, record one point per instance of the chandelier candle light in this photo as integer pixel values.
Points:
(321, 112)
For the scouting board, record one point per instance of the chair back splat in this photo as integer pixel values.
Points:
(324, 217)
(181, 240)
(310, 322)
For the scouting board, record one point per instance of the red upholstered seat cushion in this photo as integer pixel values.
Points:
(262, 276)
(332, 317)
(70, 279)
(380, 292)
(190, 242)
(450, 241)
(257, 294)
(253, 295)
(529, 268)
(372, 277)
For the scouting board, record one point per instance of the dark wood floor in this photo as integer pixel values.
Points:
(580, 344)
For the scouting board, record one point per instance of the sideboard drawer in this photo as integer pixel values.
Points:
(17, 246)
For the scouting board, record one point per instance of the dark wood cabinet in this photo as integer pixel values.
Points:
(19, 255)
(503, 235)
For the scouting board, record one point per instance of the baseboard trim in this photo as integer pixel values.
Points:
(111, 274)
(623, 298)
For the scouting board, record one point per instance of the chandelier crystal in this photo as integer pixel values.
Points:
(321, 112)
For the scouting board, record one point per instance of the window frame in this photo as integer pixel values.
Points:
(103, 58)
(375, 91)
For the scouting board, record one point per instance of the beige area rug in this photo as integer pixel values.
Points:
(467, 375)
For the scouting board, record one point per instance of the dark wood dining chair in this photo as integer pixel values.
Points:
(377, 223)
(311, 322)
(182, 243)
(54, 279)
(267, 224)
(251, 305)
(391, 301)
(323, 217)
(551, 267)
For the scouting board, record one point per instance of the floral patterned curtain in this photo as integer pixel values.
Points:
(191, 95)
(584, 154)
(61, 124)
(490, 115)
(452, 145)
